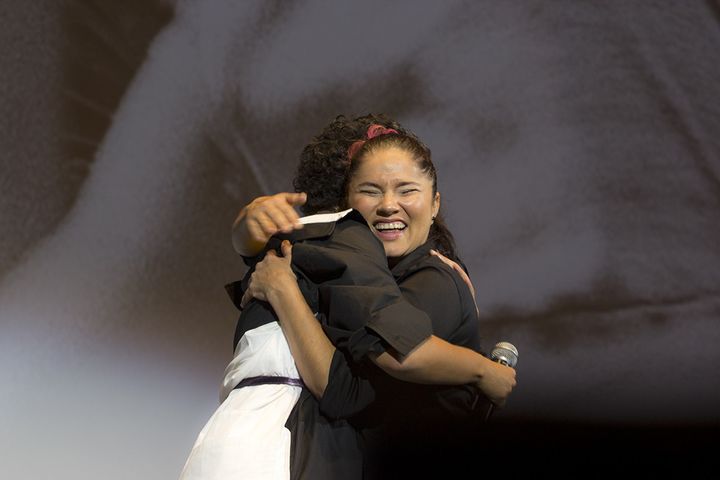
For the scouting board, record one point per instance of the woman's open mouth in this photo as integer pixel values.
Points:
(387, 231)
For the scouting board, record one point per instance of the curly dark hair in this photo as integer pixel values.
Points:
(324, 168)
(324, 162)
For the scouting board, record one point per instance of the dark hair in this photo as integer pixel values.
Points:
(324, 164)
(439, 235)
(325, 169)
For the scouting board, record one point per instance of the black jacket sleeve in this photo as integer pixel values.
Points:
(357, 292)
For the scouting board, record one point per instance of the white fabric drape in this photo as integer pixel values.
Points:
(246, 436)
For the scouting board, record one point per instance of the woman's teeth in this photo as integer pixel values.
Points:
(390, 226)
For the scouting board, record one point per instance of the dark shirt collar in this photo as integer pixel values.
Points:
(412, 258)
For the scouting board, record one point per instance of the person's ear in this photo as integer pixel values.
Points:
(436, 205)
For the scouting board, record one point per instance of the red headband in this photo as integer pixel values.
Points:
(373, 131)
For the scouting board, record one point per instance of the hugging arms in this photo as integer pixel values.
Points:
(384, 335)
(433, 361)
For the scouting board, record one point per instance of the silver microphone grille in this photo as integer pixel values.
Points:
(505, 353)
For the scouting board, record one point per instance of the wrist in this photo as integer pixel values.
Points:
(284, 286)
(246, 242)
(484, 371)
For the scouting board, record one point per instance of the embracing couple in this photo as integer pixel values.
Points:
(357, 352)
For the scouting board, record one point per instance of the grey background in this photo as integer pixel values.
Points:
(578, 152)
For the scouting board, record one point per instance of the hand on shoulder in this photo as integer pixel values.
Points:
(264, 217)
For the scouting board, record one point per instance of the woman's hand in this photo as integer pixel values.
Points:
(460, 272)
(264, 217)
(271, 276)
(497, 382)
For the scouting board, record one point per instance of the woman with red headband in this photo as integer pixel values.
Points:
(386, 157)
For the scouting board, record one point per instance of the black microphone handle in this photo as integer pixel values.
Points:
(489, 411)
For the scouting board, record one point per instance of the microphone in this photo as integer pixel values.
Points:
(506, 354)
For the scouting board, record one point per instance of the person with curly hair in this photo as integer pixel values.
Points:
(366, 327)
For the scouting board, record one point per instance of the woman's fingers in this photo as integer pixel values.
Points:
(460, 272)
(498, 383)
(269, 273)
(447, 261)
(281, 209)
(282, 215)
(256, 285)
(452, 265)
(247, 296)
(276, 213)
(287, 203)
(286, 248)
(264, 223)
(295, 199)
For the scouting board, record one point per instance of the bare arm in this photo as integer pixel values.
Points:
(439, 362)
(274, 281)
(435, 361)
(264, 217)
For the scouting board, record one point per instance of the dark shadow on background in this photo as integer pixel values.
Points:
(105, 44)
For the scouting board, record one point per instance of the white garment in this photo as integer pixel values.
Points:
(324, 217)
(246, 437)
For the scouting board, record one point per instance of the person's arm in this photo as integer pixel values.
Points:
(440, 293)
(442, 363)
(273, 281)
(264, 217)
(435, 361)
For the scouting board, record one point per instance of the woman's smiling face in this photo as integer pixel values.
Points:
(396, 199)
